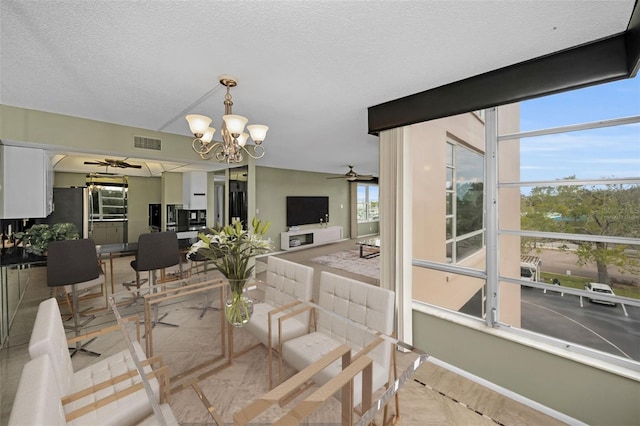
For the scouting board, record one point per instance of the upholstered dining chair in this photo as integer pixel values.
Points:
(157, 251)
(73, 265)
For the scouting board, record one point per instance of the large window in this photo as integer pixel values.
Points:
(367, 204)
(580, 217)
(558, 223)
(464, 194)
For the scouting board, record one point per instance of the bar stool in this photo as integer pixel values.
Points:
(157, 251)
(73, 264)
(200, 267)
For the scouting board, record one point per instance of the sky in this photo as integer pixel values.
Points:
(590, 154)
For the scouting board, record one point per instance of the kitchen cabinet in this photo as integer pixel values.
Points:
(108, 232)
(194, 191)
(26, 186)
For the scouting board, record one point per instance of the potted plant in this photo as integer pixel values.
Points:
(230, 249)
(36, 239)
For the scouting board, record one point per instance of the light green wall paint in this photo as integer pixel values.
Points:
(570, 387)
(274, 185)
(142, 192)
(66, 180)
(172, 188)
(64, 133)
(368, 228)
(171, 193)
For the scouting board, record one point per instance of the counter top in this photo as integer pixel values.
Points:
(121, 248)
(19, 256)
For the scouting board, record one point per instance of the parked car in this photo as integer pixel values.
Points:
(599, 288)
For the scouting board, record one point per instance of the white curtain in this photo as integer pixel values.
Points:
(396, 223)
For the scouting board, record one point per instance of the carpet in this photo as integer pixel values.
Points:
(350, 261)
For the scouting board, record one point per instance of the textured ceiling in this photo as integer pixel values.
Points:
(307, 69)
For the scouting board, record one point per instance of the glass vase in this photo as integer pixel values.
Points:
(238, 306)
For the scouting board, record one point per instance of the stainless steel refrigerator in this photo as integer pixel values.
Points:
(72, 205)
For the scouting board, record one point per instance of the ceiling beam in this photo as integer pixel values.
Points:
(605, 60)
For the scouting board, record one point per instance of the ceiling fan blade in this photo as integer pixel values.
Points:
(338, 177)
(95, 163)
(134, 166)
(98, 174)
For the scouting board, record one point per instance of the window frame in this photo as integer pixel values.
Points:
(451, 191)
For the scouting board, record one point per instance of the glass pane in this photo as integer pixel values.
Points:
(611, 152)
(468, 246)
(362, 211)
(449, 231)
(475, 305)
(109, 191)
(449, 207)
(113, 202)
(373, 193)
(362, 193)
(449, 252)
(574, 319)
(612, 210)
(469, 191)
(449, 181)
(449, 159)
(574, 264)
(601, 102)
(374, 211)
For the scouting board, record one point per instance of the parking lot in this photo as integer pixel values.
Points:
(598, 326)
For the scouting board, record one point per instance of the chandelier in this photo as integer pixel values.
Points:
(234, 139)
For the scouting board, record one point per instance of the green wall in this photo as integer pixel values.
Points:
(142, 192)
(66, 180)
(274, 185)
(368, 228)
(585, 392)
(66, 133)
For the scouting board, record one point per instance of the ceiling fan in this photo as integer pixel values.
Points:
(352, 176)
(109, 162)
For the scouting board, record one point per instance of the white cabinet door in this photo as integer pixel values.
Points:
(27, 186)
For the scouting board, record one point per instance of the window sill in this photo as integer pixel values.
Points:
(573, 352)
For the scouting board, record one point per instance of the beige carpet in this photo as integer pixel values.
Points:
(304, 257)
(350, 261)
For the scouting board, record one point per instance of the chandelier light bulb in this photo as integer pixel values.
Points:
(242, 139)
(198, 124)
(208, 135)
(235, 123)
(258, 132)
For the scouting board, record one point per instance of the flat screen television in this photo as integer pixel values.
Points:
(306, 210)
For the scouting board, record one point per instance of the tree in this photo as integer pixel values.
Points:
(607, 210)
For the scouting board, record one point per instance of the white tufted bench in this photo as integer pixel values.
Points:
(278, 318)
(38, 400)
(48, 338)
(363, 304)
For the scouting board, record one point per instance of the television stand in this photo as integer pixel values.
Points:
(311, 237)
